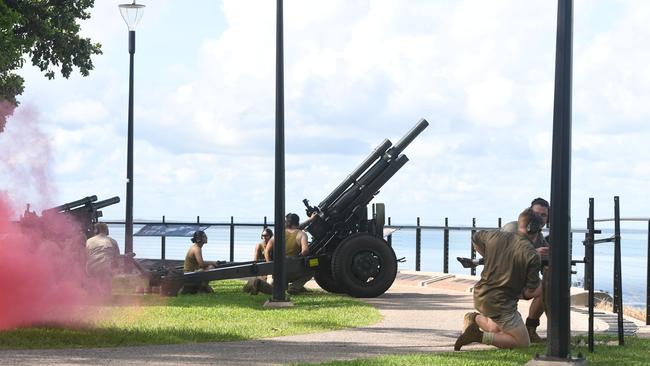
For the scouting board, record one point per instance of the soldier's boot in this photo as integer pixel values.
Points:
(469, 319)
(262, 286)
(248, 287)
(531, 326)
(470, 335)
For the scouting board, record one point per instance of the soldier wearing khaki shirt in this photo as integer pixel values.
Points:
(102, 254)
(511, 271)
(541, 208)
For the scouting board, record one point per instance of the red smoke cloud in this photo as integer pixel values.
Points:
(41, 270)
(42, 259)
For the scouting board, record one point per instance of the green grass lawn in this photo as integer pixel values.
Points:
(227, 315)
(636, 352)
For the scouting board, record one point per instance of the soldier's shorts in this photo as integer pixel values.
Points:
(509, 321)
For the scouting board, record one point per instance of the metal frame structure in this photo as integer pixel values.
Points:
(589, 243)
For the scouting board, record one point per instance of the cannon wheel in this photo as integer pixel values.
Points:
(365, 265)
(171, 283)
(326, 281)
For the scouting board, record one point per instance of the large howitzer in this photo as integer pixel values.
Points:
(348, 252)
(86, 211)
(354, 257)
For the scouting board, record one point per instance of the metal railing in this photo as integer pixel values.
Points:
(418, 228)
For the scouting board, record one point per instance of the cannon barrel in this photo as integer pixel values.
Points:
(368, 179)
(409, 137)
(106, 202)
(340, 189)
(71, 205)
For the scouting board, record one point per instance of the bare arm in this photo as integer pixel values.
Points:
(304, 248)
(257, 248)
(268, 249)
(309, 219)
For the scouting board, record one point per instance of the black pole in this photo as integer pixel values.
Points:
(471, 246)
(647, 282)
(618, 289)
(418, 244)
(589, 272)
(163, 242)
(128, 226)
(445, 247)
(559, 329)
(279, 267)
(232, 239)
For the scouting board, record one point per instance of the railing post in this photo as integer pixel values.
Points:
(471, 246)
(445, 259)
(265, 225)
(499, 223)
(589, 272)
(162, 244)
(390, 236)
(585, 281)
(418, 244)
(647, 282)
(617, 252)
(232, 239)
(618, 287)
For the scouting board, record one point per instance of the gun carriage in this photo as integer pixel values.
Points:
(347, 253)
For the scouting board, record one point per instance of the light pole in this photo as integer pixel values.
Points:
(132, 13)
(279, 266)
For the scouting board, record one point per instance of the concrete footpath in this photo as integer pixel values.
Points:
(422, 312)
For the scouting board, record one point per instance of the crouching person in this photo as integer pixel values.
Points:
(194, 262)
(295, 241)
(511, 272)
(102, 257)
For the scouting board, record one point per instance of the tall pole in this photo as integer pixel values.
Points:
(128, 225)
(279, 268)
(559, 329)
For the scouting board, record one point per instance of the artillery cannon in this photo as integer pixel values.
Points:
(354, 257)
(85, 212)
(348, 252)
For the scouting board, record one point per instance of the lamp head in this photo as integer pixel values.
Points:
(132, 13)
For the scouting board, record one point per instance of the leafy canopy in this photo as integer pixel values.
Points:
(47, 31)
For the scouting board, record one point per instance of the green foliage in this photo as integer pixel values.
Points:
(227, 315)
(636, 352)
(47, 31)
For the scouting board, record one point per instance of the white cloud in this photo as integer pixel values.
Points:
(80, 112)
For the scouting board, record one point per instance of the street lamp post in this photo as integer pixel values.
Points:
(132, 13)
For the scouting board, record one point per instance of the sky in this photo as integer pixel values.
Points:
(356, 72)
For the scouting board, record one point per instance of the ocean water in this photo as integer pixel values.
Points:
(634, 249)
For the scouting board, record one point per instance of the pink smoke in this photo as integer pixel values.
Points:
(42, 259)
(42, 272)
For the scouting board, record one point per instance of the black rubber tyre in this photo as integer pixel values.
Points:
(365, 265)
(326, 281)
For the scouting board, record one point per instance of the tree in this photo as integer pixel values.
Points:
(47, 31)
